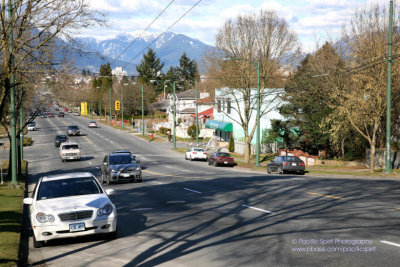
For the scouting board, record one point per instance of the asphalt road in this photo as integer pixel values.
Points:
(191, 214)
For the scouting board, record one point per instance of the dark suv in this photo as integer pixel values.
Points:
(120, 167)
(73, 130)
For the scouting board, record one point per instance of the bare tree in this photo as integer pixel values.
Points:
(262, 36)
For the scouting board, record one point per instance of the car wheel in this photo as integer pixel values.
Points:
(302, 173)
(108, 179)
(190, 158)
(280, 171)
(37, 244)
(215, 164)
(186, 158)
(112, 235)
(62, 160)
(102, 178)
(139, 181)
(268, 170)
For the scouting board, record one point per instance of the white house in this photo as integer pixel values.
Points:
(230, 103)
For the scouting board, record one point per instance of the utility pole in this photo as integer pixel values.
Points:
(122, 106)
(389, 89)
(12, 98)
(197, 113)
(142, 112)
(101, 100)
(173, 88)
(110, 104)
(258, 116)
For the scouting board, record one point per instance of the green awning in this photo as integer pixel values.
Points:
(220, 125)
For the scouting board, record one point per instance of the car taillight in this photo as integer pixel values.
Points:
(301, 164)
(285, 163)
(205, 153)
(194, 152)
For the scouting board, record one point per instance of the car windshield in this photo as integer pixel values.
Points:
(61, 137)
(223, 154)
(72, 127)
(121, 159)
(92, 122)
(67, 188)
(199, 150)
(291, 158)
(67, 147)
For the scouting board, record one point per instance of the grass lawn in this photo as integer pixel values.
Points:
(10, 223)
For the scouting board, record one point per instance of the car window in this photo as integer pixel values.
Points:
(121, 159)
(72, 127)
(199, 149)
(223, 154)
(68, 147)
(68, 187)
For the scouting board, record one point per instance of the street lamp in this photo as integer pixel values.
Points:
(122, 105)
(100, 102)
(257, 66)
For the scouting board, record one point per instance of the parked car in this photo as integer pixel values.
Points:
(60, 138)
(221, 158)
(92, 124)
(70, 205)
(120, 167)
(73, 130)
(282, 164)
(31, 126)
(76, 114)
(195, 153)
(61, 114)
(69, 151)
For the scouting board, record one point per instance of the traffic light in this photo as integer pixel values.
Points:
(117, 105)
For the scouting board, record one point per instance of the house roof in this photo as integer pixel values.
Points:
(206, 113)
(188, 94)
(207, 100)
(188, 111)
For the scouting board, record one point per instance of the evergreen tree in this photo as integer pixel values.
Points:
(187, 72)
(170, 76)
(150, 70)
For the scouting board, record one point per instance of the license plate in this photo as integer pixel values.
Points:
(76, 227)
(125, 174)
(225, 162)
(294, 164)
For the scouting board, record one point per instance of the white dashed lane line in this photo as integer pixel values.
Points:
(141, 209)
(191, 190)
(154, 182)
(176, 202)
(254, 208)
(390, 243)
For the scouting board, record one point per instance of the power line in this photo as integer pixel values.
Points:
(148, 26)
(158, 37)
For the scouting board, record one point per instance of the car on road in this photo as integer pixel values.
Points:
(65, 109)
(69, 111)
(221, 158)
(195, 153)
(69, 151)
(92, 124)
(120, 167)
(70, 205)
(51, 115)
(282, 164)
(76, 114)
(60, 138)
(43, 115)
(73, 130)
(31, 126)
(61, 114)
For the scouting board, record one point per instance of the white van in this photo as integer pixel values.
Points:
(69, 151)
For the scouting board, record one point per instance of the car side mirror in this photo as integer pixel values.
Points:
(28, 201)
(138, 161)
(110, 191)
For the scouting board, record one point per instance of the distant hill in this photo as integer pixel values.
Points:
(168, 48)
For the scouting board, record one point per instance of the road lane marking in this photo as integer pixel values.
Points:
(97, 167)
(390, 243)
(154, 182)
(176, 176)
(191, 190)
(175, 201)
(254, 208)
(90, 163)
(321, 195)
(186, 171)
(141, 209)
(90, 141)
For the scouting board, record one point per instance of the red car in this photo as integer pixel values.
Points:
(65, 109)
(221, 158)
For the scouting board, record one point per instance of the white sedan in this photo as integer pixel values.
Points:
(195, 153)
(31, 126)
(70, 205)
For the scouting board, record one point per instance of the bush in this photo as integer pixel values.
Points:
(164, 130)
(179, 120)
(231, 146)
(191, 131)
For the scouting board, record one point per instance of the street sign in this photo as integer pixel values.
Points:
(117, 105)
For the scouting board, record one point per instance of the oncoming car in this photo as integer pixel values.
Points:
(70, 205)
(120, 167)
(31, 126)
(195, 153)
(92, 124)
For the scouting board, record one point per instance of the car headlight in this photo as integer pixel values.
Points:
(106, 210)
(43, 218)
(112, 170)
(138, 168)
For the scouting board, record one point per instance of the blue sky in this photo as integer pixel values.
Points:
(314, 21)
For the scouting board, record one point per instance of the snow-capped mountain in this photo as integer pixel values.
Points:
(169, 47)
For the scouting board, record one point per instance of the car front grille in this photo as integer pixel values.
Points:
(77, 215)
(70, 154)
